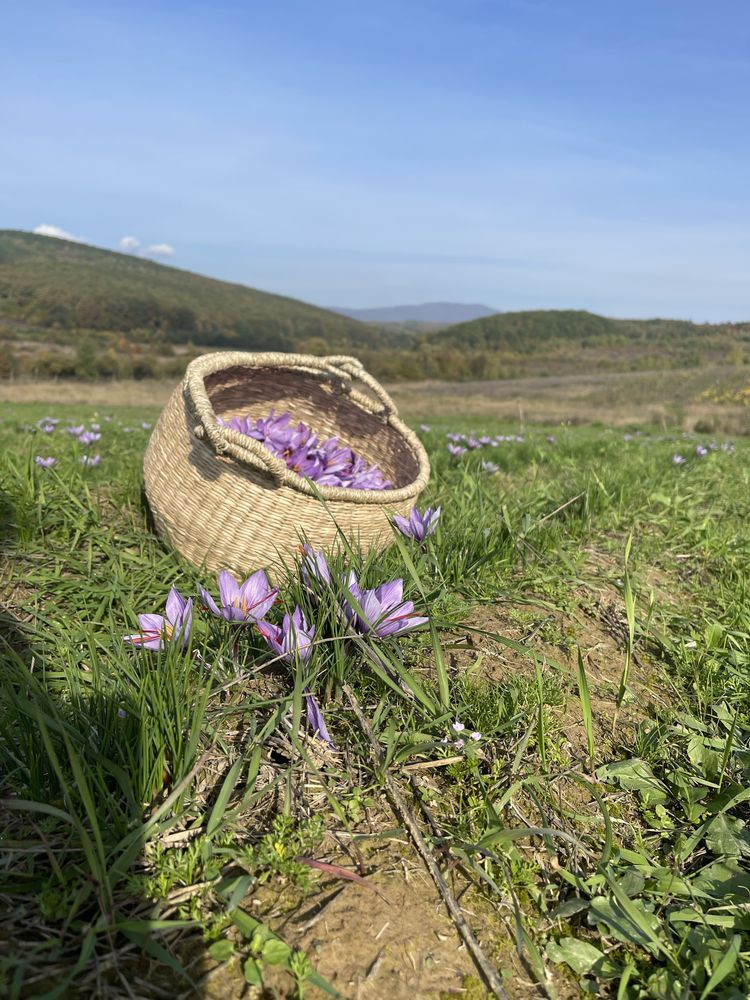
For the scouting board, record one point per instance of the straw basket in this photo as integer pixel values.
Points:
(224, 501)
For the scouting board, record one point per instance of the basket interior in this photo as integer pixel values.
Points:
(244, 391)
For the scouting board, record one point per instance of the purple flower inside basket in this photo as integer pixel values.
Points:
(328, 462)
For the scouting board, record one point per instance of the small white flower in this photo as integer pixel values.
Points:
(458, 727)
(459, 744)
(475, 736)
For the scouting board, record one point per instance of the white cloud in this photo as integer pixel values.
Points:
(129, 244)
(160, 250)
(57, 232)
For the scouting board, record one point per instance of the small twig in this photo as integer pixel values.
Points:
(560, 508)
(487, 969)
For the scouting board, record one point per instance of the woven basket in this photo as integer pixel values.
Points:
(224, 501)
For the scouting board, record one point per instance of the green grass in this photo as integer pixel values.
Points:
(150, 801)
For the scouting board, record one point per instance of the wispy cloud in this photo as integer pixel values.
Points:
(129, 244)
(159, 250)
(59, 234)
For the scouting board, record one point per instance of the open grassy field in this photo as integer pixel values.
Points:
(673, 398)
(562, 753)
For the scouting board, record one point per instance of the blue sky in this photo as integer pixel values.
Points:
(520, 153)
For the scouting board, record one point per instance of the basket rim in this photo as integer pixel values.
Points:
(340, 370)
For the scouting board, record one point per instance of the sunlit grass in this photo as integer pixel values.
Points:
(147, 796)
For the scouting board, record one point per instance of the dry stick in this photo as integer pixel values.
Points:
(487, 969)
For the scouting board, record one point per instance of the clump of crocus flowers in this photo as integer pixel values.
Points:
(379, 612)
(327, 462)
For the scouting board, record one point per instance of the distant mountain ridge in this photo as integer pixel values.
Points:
(444, 313)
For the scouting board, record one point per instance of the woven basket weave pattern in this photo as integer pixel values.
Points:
(221, 507)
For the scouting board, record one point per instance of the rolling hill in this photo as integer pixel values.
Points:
(71, 310)
(55, 285)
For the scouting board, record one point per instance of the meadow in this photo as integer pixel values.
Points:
(554, 766)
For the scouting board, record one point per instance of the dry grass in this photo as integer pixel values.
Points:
(672, 398)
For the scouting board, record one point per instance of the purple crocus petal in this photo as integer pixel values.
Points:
(390, 593)
(416, 524)
(229, 590)
(399, 620)
(45, 463)
(273, 636)
(403, 524)
(152, 632)
(256, 596)
(210, 602)
(316, 722)
(176, 604)
(179, 617)
(315, 566)
(298, 636)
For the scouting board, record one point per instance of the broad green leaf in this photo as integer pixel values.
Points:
(579, 955)
(728, 836)
(275, 952)
(725, 880)
(635, 775)
(221, 951)
(251, 970)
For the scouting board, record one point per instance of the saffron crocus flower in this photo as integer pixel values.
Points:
(292, 639)
(701, 452)
(315, 568)
(47, 425)
(45, 463)
(88, 437)
(75, 430)
(458, 727)
(418, 526)
(456, 450)
(382, 611)
(678, 459)
(491, 467)
(156, 630)
(316, 722)
(241, 603)
(91, 461)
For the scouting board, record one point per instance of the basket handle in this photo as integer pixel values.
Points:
(347, 370)
(341, 369)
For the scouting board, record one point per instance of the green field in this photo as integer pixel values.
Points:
(170, 825)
